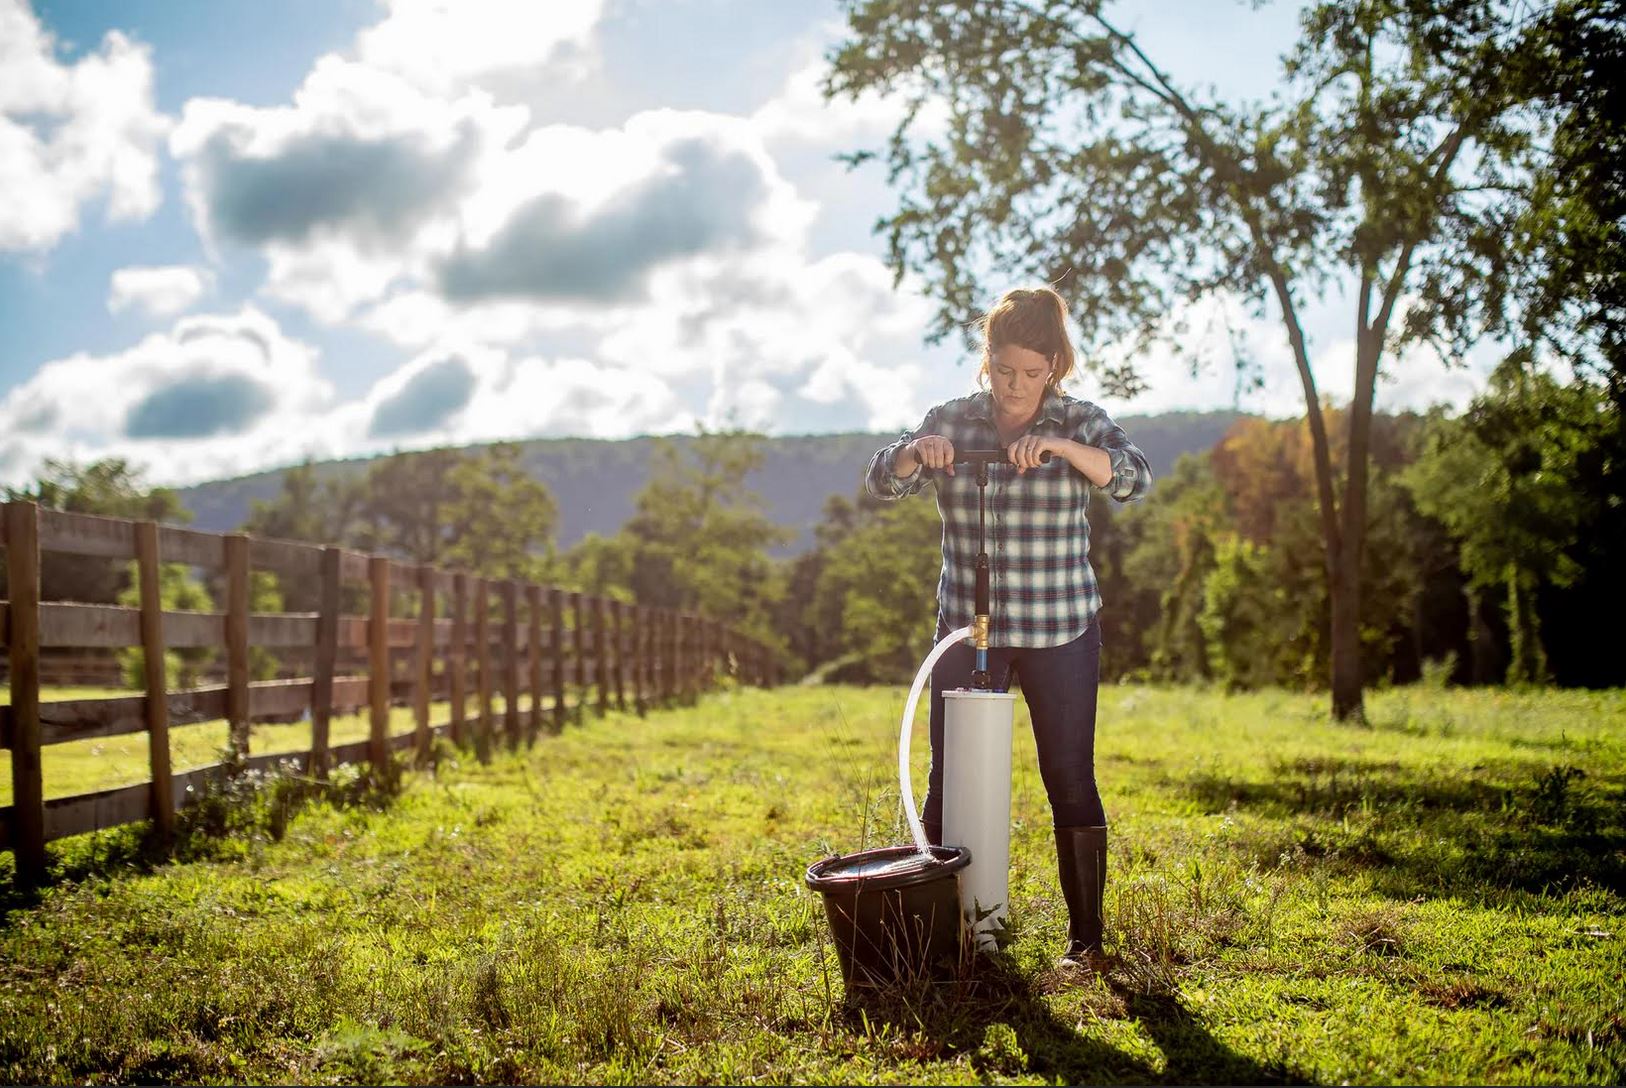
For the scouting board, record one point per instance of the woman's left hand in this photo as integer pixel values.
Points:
(1025, 452)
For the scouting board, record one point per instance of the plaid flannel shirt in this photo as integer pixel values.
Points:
(1043, 590)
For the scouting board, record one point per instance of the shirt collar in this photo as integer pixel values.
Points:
(1051, 408)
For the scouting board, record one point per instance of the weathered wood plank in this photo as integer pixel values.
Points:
(378, 660)
(423, 673)
(353, 566)
(84, 624)
(156, 709)
(351, 632)
(403, 633)
(323, 688)
(237, 642)
(482, 643)
(510, 659)
(27, 834)
(187, 630)
(533, 612)
(350, 693)
(192, 547)
(457, 657)
(279, 698)
(86, 534)
(287, 559)
(282, 628)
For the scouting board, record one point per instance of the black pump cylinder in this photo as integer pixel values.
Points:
(982, 584)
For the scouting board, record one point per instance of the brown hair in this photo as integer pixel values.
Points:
(1032, 318)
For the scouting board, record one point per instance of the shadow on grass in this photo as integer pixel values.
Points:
(221, 823)
(1421, 832)
(1005, 1023)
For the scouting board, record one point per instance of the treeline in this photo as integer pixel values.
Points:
(1493, 556)
(1491, 552)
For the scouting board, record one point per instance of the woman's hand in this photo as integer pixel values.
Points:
(1026, 452)
(930, 450)
(1092, 462)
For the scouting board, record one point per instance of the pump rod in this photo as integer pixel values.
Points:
(980, 679)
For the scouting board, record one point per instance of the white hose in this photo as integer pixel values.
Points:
(907, 728)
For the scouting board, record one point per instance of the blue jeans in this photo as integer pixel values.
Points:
(1059, 684)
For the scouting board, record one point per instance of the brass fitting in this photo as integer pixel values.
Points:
(979, 632)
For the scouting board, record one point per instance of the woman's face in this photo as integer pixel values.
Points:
(1017, 377)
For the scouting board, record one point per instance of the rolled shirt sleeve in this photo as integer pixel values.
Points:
(1131, 472)
(882, 482)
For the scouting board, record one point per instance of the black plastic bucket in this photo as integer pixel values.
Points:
(894, 913)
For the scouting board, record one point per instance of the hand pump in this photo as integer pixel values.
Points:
(977, 750)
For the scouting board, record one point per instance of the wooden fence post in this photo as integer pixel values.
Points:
(457, 659)
(237, 644)
(601, 656)
(378, 663)
(556, 617)
(482, 658)
(510, 660)
(667, 655)
(640, 659)
(327, 653)
(533, 613)
(579, 642)
(23, 645)
(425, 672)
(152, 659)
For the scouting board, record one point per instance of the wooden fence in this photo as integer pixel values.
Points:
(489, 638)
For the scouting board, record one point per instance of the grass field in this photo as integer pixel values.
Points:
(1438, 898)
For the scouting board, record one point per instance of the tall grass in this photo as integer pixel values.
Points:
(1437, 898)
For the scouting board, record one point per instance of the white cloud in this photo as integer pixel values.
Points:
(159, 291)
(70, 133)
(214, 395)
(442, 44)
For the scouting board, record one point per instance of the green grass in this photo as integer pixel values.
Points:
(1438, 898)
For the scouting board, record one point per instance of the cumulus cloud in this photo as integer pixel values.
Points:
(159, 291)
(700, 200)
(440, 44)
(71, 133)
(428, 398)
(359, 154)
(214, 395)
(198, 406)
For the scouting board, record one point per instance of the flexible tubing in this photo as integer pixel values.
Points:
(907, 728)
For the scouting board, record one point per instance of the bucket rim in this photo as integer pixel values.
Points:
(950, 860)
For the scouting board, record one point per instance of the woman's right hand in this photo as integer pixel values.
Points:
(931, 450)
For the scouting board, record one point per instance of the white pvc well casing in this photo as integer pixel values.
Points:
(977, 799)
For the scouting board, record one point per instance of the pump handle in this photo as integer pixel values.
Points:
(990, 457)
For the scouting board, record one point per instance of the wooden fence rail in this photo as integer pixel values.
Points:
(558, 646)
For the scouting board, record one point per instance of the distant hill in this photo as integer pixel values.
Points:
(596, 480)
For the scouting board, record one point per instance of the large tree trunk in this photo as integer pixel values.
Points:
(1345, 567)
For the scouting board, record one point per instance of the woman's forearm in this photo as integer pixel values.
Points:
(1092, 462)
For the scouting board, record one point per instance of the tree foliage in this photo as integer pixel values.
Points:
(699, 539)
(1393, 161)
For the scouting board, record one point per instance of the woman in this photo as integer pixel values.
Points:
(1045, 602)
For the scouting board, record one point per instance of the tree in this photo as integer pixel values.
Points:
(880, 582)
(1392, 161)
(1506, 480)
(307, 509)
(699, 538)
(499, 519)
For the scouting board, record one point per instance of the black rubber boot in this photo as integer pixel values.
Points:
(1081, 861)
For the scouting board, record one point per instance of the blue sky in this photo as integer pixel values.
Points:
(239, 234)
